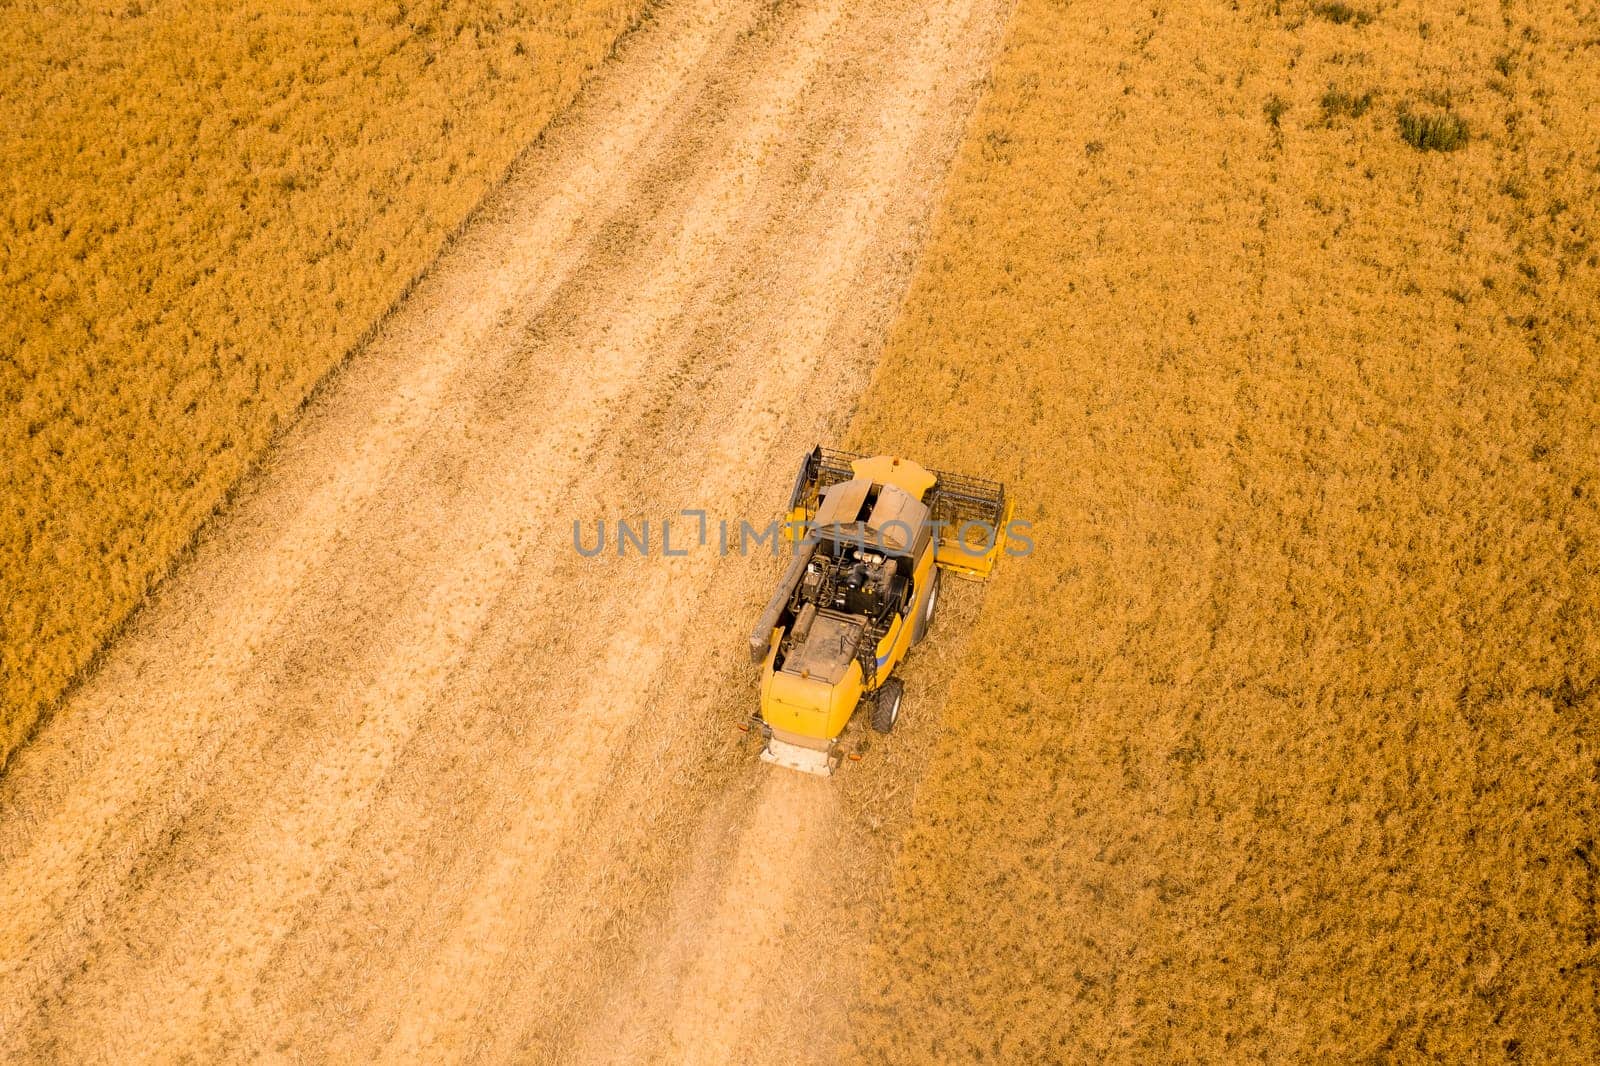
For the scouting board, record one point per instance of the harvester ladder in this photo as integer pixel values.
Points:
(867, 655)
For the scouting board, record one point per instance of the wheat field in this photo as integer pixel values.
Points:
(208, 205)
(1277, 317)
(1280, 321)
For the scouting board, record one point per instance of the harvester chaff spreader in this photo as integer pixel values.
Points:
(873, 537)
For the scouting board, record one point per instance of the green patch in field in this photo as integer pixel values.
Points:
(1341, 14)
(1337, 102)
(1435, 131)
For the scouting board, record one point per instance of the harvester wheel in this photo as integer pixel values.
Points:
(925, 618)
(886, 707)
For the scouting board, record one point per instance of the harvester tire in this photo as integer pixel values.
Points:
(924, 621)
(886, 706)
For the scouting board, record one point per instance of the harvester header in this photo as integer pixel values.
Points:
(967, 516)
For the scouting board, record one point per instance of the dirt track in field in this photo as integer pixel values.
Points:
(388, 769)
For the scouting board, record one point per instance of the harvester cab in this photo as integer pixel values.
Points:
(872, 537)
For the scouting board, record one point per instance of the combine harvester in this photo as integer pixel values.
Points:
(875, 535)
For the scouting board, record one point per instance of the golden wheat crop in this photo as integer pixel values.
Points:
(1280, 319)
(207, 205)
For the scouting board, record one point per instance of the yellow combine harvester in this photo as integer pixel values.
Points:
(876, 535)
